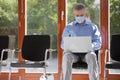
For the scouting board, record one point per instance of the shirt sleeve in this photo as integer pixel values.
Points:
(96, 38)
(64, 34)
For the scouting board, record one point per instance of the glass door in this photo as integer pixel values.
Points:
(42, 19)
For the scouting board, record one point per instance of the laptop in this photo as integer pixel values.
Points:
(77, 44)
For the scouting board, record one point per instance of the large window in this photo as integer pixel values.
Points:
(9, 24)
(114, 22)
(93, 8)
(114, 17)
(42, 19)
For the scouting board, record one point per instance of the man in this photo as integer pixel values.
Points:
(81, 27)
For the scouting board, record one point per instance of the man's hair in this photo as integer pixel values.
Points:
(79, 6)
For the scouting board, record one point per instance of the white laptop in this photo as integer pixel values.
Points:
(77, 44)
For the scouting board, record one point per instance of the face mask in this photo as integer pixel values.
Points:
(80, 19)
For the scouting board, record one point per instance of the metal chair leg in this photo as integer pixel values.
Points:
(105, 77)
(1, 60)
(9, 75)
(0, 69)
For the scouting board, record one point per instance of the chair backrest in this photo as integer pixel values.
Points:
(4, 44)
(115, 47)
(34, 47)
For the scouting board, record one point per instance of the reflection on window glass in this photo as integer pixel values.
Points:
(42, 19)
(114, 23)
(93, 7)
(9, 24)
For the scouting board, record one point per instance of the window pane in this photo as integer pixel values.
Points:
(114, 17)
(9, 24)
(42, 19)
(114, 23)
(93, 8)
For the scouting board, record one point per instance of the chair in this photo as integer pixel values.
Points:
(114, 51)
(80, 64)
(35, 48)
(4, 44)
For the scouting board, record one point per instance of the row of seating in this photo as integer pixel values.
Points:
(37, 48)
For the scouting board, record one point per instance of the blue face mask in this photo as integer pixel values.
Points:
(80, 19)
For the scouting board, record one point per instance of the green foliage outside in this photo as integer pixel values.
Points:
(8, 13)
(42, 16)
(8, 17)
(115, 17)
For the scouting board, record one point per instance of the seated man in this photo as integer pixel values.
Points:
(81, 27)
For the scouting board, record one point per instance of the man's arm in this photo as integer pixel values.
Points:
(64, 34)
(96, 38)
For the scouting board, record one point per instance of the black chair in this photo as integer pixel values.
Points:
(35, 48)
(4, 44)
(83, 65)
(114, 51)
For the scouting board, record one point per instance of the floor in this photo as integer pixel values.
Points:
(52, 68)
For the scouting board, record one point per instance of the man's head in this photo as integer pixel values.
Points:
(79, 12)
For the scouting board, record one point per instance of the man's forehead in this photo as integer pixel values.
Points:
(82, 11)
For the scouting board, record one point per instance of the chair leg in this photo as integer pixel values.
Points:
(44, 71)
(61, 74)
(9, 75)
(0, 69)
(105, 78)
(20, 78)
(1, 61)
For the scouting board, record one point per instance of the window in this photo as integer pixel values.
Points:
(42, 19)
(114, 17)
(114, 22)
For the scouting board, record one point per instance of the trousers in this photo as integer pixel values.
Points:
(70, 58)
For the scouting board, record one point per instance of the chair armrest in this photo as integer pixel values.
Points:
(106, 52)
(99, 60)
(46, 52)
(51, 50)
(4, 50)
(13, 52)
(18, 50)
